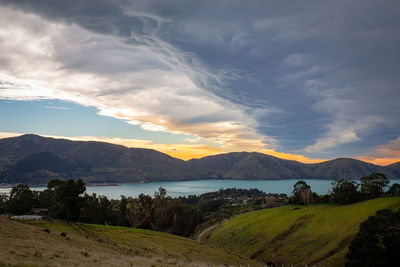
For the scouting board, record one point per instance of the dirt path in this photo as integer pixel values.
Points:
(203, 236)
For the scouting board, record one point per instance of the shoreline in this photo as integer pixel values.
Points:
(103, 184)
(6, 186)
(89, 184)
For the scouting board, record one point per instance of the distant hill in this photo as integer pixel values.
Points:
(35, 159)
(92, 161)
(240, 165)
(344, 168)
(394, 169)
(316, 235)
(43, 161)
(244, 165)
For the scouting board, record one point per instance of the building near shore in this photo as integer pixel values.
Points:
(27, 217)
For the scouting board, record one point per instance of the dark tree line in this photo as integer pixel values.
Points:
(234, 193)
(63, 199)
(345, 191)
(67, 200)
(213, 201)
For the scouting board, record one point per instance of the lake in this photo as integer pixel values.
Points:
(185, 188)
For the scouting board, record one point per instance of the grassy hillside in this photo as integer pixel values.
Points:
(24, 244)
(318, 234)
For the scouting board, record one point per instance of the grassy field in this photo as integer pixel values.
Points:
(27, 244)
(313, 235)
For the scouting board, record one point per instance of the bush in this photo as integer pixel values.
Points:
(378, 241)
(21, 200)
(345, 192)
(394, 190)
(301, 194)
(372, 186)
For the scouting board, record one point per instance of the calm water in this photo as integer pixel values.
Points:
(185, 188)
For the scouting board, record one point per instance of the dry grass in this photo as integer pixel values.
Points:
(29, 244)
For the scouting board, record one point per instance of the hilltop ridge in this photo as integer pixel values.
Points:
(104, 162)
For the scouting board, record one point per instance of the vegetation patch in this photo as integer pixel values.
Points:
(316, 234)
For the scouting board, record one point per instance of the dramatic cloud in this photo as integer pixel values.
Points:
(66, 62)
(316, 78)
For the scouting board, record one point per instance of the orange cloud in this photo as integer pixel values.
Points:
(380, 161)
(296, 157)
(189, 151)
(384, 154)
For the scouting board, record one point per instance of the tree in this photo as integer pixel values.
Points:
(97, 210)
(162, 216)
(394, 190)
(3, 203)
(139, 211)
(67, 198)
(185, 217)
(378, 241)
(161, 193)
(344, 192)
(301, 193)
(21, 199)
(120, 208)
(373, 186)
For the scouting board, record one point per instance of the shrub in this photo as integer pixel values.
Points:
(394, 190)
(378, 241)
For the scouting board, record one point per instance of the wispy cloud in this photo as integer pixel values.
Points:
(56, 107)
(157, 98)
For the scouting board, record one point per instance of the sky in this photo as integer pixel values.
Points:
(301, 80)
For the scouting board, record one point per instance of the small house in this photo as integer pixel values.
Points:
(27, 217)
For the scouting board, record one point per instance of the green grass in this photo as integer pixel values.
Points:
(166, 246)
(317, 234)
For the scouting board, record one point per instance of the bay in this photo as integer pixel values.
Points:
(186, 188)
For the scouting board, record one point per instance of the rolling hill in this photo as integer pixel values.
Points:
(92, 161)
(344, 168)
(300, 235)
(238, 165)
(48, 158)
(394, 169)
(27, 244)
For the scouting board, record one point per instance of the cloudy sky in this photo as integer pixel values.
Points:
(303, 80)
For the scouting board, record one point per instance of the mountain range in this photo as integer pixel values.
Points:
(35, 159)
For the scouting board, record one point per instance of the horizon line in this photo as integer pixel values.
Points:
(5, 135)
